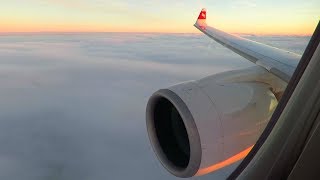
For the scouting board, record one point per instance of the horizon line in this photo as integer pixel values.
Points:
(143, 32)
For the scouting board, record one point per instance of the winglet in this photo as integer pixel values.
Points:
(201, 21)
(203, 14)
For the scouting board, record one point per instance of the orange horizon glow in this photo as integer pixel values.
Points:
(246, 17)
(16, 27)
(224, 163)
(68, 29)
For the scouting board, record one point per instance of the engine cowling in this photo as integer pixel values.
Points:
(201, 126)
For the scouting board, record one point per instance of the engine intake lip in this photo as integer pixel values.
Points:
(177, 166)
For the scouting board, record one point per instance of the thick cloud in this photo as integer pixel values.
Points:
(73, 105)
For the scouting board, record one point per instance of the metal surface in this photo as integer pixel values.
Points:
(278, 151)
(280, 62)
(229, 112)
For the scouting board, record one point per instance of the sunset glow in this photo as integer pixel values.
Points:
(233, 159)
(246, 16)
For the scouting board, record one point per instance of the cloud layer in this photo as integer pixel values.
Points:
(73, 105)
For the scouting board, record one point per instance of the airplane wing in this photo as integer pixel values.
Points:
(279, 62)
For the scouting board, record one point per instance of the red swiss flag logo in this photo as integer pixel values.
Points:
(203, 14)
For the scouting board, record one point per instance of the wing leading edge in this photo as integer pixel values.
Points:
(279, 62)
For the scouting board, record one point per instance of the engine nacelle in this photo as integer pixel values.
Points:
(201, 126)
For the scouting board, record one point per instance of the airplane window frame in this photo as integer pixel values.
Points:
(303, 63)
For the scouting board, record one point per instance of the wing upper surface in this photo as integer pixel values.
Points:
(280, 62)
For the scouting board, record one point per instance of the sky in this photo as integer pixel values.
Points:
(284, 17)
(73, 106)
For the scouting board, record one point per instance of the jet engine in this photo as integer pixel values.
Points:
(201, 126)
